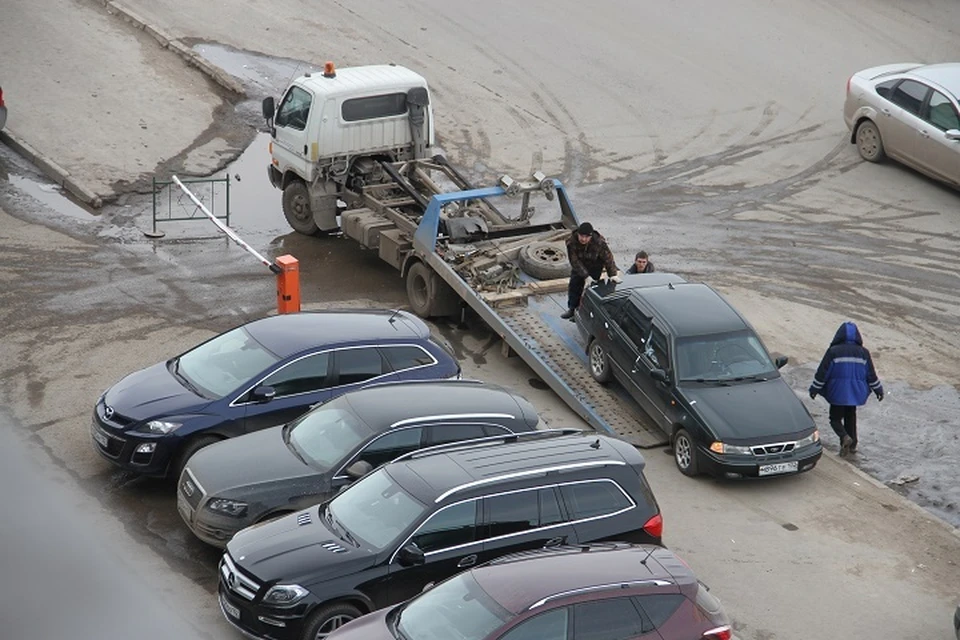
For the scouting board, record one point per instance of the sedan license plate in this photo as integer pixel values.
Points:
(229, 609)
(780, 467)
(100, 438)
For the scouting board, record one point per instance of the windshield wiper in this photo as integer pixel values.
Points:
(287, 440)
(183, 379)
(724, 383)
(336, 526)
(396, 625)
(757, 377)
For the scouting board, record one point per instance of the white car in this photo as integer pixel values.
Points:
(909, 112)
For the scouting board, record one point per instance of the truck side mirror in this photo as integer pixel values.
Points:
(781, 361)
(269, 108)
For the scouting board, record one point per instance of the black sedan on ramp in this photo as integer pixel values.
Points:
(263, 475)
(262, 374)
(701, 372)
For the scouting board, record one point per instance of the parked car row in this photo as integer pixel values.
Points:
(346, 469)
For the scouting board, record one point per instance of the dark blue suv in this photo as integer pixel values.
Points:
(261, 374)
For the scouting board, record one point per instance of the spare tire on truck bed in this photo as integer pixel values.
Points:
(545, 260)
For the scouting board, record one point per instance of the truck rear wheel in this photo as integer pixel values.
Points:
(296, 209)
(429, 295)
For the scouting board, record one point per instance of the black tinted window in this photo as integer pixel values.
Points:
(549, 507)
(493, 430)
(357, 365)
(551, 625)
(589, 499)
(660, 607)
(444, 433)
(614, 619)
(401, 358)
(635, 326)
(886, 88)
(909, 95)
(512, 513)
(392, 104)
(448, 528)
(392, 445)
(656, 350)
(303, 376)
(294, 109)
(940, 112)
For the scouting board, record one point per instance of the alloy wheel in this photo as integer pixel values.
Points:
(681, 449)
(332, 624)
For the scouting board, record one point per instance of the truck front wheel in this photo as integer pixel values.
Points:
(429, 295)
(296, 209)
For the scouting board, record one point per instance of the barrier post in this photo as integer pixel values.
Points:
(288, 284)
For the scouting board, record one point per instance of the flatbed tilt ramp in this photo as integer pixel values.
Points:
(526, 316)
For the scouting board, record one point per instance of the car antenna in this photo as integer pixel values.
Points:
(391, 319)
(647, 557)
(595, 444)
(670, 286)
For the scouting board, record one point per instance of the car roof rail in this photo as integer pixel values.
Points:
(487, 440)
(387, 383)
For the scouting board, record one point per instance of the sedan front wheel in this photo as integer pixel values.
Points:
(869, 142)
(685, 453)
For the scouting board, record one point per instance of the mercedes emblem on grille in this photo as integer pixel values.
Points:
(107, 411)
(231, 580)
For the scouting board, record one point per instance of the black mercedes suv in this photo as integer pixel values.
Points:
(426, 516)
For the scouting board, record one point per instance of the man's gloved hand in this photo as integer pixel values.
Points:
(603, 278)
(588, 281)
(813, 394)
(879, 395)
(616, 278)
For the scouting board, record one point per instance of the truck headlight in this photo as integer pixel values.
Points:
(809, 440)
(160, 427)
(284, 595)
(728, 449)
(233, 508)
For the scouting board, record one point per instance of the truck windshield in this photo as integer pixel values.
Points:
(723, 357)
(376, 510)
(294, 109)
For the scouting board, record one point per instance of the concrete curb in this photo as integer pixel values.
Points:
(52, 170)
(167, 42)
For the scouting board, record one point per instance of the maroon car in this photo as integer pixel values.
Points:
(604, 590)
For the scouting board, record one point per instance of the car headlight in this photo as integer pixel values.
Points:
(160, 427)
(728, 449)
(233, 508)
(809, 440)
(283, 595)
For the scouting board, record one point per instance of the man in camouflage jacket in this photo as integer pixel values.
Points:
(589, 255)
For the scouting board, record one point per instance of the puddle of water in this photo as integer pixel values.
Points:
(267, 73)
(255, 205)
(51, 196)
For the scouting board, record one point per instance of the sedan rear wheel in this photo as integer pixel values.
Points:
(869, 142)
(685, 453)
(599, 362)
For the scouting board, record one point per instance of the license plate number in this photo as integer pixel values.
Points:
(780, 467)
(100, 438)
(229, 609)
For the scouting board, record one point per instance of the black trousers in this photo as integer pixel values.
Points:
(844, 421)
(577, 282)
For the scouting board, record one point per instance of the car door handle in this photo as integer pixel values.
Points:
(467, 561)
(886, 112)
(555, 542)
(923, 134)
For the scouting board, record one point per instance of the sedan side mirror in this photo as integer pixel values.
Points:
(263, 394)
(781, 361)
(659, 375)
(358, 469)
(410, 555)
(952, 134)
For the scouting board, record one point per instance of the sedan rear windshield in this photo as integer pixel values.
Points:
(224, 364)
(725, 356)
(376, 510)
(326, 435)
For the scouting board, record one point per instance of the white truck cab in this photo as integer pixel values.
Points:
(331, 130)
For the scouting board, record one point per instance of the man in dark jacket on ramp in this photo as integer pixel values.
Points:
(845, 379)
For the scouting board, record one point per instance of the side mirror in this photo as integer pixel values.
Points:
(263, 394)
(358, 469)
(781, 361)
(952, 134)
(410, 556)
(268, 107)
(659, 375)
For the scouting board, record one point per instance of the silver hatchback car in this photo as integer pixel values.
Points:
(909, 112)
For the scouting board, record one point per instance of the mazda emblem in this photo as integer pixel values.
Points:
(107, 411)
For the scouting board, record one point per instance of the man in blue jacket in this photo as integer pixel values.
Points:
(845, 379)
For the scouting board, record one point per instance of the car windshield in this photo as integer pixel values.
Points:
(219, 366)
(326, 435)
(375, 510)
(723, 357)
(457, 609)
